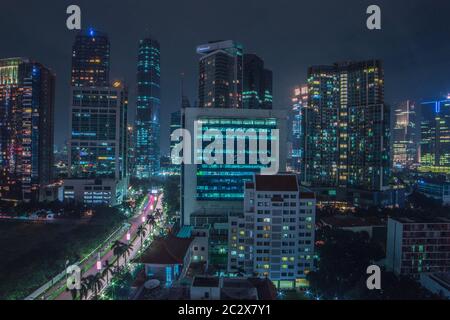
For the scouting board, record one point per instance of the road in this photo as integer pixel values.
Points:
(109, 256)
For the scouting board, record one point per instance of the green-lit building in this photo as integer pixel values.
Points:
(435, 136)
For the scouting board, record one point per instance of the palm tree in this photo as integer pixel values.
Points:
(118, 250)
(85, 288)
(107, 270)
(151, 219)
(95, 283)
(126, 251)
(141, 232)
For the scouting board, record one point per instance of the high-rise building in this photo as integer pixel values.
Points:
(148, 105)
(348, 127)
(90, 59)
(405, 135)
(418, 245)
(98, 147)
(257, 92)
(435, 136)
(219, 188)
(27, 103)
(274, 235)
(130, 149)
(220, 74)
(297, 124)
(98, 167)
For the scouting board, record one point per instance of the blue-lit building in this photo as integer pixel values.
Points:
(27, 103)
(297, 125)
(148, 104)
(435, 136)
(218, 189)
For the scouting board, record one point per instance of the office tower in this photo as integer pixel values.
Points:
(298, 122)
(148, 106)
(435, 136)
(99, 132)
(418, 245)
(27, 103)
(274, 235)
(98, 149)
(405, 135)
(130, 150)
(219, 188)
(347, 127)
(90, 59)
(220, 74)
(257, 84)
(98, 146)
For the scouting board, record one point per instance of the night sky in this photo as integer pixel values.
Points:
(289, 35)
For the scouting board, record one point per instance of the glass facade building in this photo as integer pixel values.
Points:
(297, 124)
(27, 103)
(226, 181)
(90, 59)
(98, 147)
(435, 136)
(257, 92)
(405, 135)
(220, 75)
(348, 127)
(148, 104)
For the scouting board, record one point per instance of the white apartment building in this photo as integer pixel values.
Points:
(274, 237)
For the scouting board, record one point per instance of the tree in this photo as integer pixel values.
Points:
(107, 270)
(343, 262)
(127, 250)
(118, 250)
(95, 283)
(141, 232)
(85, 288)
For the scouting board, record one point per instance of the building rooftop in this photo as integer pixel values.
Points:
(280, 182)
(421, 219)
(169, 250)
(210, 282)
(347, 221)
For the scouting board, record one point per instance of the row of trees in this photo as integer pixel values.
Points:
(93, 284)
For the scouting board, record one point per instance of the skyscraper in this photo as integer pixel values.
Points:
(297, 125)
(98, 146)
(257, 92)
(435, 136)
(405, 135)
(220, 74)
(90, 59)
(347, 131)
(147, 123)
(27, 103)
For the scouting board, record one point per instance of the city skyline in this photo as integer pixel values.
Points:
(403, 50)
